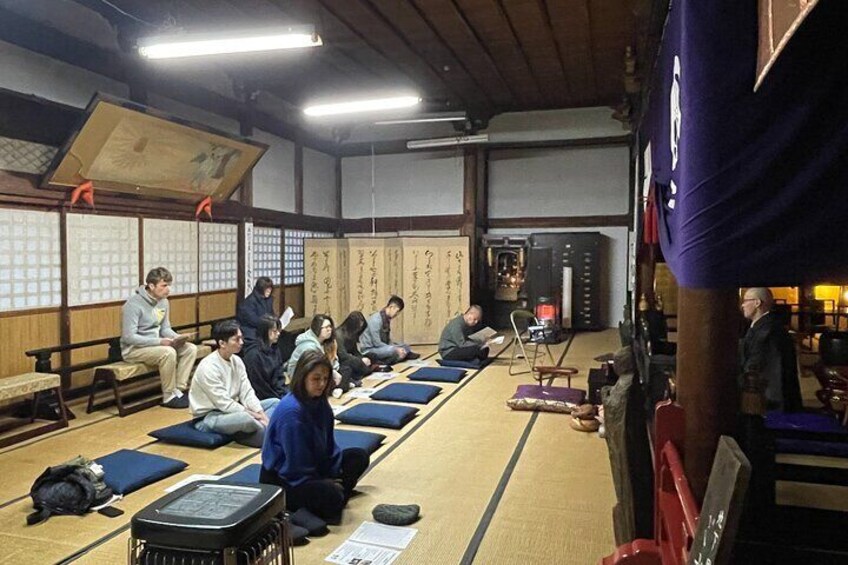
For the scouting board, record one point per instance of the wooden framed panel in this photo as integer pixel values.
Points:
(217, 305)
(22, 333)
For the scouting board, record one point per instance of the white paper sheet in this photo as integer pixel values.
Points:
(382, 376)
(483, 335)
(192, 479)
(350, 553)
(418, 363)
(380, 534)
(361, 392)
(496, 340)
(286, 317)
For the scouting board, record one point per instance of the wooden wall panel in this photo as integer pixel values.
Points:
(87, 324)
(278, 300)
(294, 298)
(217, 305)
(22, 333)
(182, 310)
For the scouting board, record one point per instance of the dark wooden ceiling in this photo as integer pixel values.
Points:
(485, 56)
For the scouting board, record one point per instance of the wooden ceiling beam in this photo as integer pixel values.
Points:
(450, 14)
(357, 15)
(569, 22)
(518, 44)
(558, 46)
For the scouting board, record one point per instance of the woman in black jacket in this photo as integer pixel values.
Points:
(252, 308)
(264, 362)
(353, 366)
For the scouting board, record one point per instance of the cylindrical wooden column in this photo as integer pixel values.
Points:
(706, 375)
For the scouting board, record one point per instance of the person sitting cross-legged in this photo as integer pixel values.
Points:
(454, 344)
(221, 395)
(376, 340)
(264, 361)
(300, 453)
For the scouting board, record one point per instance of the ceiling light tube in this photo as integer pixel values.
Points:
(422, 120)
(358, 106)
(194, 45)
(447, 141)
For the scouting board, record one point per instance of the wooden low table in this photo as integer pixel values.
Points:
(552, 372)
(35, 384)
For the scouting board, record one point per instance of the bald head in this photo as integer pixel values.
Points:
(473, 315)
(757, 302)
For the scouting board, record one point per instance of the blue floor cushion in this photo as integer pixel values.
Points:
(438, 374)
(249, 474)
(407, 392)
(806, 421)
(475, 364)
(369, 441)
(127, 470)
(378, 415)
(186, 434)
(806, 447)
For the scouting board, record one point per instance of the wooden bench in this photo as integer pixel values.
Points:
(111, 372)
(36, 384)
(118, 374)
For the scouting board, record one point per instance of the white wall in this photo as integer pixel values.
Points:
(273, 176)
(319, 184)
(613, 286)
(406, 184)
(30, 73)
(590, 181)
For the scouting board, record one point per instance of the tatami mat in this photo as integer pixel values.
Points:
(450, 459)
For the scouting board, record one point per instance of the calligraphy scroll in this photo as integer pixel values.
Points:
(321, 287)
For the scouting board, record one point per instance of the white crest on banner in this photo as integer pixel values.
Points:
(248, 258)
(676, 123)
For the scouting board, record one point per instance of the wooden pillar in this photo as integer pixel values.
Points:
(298, 177)
(707, 342)
(338, 177)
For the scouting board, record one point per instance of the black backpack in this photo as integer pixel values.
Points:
(70, 488)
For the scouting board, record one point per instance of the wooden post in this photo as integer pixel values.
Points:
(469, 207)
(706, 375)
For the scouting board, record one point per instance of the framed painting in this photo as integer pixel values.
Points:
(128, 148)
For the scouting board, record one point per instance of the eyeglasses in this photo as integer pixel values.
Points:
(744, 300)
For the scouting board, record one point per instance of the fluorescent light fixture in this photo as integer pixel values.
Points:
(447, 141)
(194, 45)
(423, 120)
(358, 106)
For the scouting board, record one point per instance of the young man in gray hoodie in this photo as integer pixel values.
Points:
(147, 337)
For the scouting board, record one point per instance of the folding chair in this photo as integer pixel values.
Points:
(522, 338)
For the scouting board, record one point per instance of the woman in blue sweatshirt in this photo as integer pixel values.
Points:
(300, 452)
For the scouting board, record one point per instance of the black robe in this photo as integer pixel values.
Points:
(768, 349)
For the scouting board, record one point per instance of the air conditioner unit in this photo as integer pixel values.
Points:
(447, 141)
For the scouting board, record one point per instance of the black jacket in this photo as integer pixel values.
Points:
(250, 311)
(768, 349)
(265, 370)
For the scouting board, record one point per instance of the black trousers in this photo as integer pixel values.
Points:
(323, 497)
(467, 353)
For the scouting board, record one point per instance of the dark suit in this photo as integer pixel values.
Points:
(768, 349)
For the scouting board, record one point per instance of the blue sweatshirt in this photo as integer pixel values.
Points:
(299, 442)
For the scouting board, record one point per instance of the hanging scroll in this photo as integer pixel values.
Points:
(322, 291)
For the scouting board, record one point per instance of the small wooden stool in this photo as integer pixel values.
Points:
(552, 372)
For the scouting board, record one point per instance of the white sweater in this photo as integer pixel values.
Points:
(221, 385)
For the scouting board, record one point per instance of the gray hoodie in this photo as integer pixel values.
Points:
(144, 321)
(307, 341)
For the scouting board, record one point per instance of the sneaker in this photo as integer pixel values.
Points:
(383, 369)
(337, 393)
(177, 402)
(411, 356)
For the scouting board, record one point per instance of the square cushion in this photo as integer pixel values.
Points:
(806, 421)
(438, 374)
(475, 364)
(186, 434)
(249, 474)
(369, 441)
(546, 398)
(127, 470)
(378, 415)
(407, 392)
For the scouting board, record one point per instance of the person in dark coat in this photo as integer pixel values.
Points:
(768, 349)
(352, 364)
(264, 361)
(300, 453)
(252, 308)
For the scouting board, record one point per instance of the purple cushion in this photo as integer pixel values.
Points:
(561, 393)
(804, 447)
(804, 421)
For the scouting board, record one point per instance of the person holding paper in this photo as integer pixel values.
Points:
(147, 337)
(252, 308)
(455, 343)
(300, 453)
(376, 341)
(221, 397)
(264, 362)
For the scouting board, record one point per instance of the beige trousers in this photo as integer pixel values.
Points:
(174, 365)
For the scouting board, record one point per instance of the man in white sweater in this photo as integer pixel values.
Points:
(221, 396)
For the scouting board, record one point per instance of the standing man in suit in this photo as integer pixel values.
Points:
(768, 349)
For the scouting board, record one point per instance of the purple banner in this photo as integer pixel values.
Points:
(752, 187)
